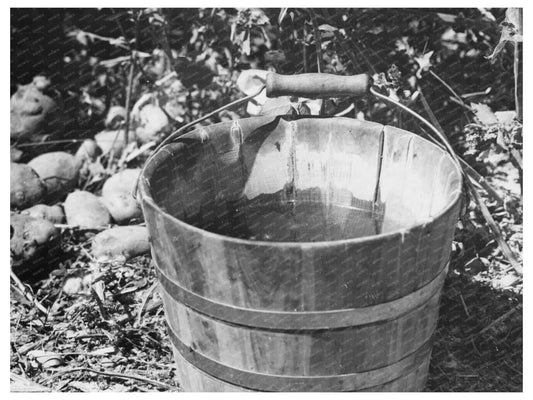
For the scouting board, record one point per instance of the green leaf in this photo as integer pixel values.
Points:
(424, 63)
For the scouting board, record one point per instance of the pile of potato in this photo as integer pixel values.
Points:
(45, 193)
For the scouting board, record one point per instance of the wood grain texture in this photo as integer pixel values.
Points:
(192, 185)
(317, 85)
(195, 380)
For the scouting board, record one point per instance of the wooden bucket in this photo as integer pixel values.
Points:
(301, 255)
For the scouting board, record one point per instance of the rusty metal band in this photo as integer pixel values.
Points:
(279, 320)
(286, 383)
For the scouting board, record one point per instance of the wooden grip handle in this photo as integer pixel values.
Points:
(317, 85)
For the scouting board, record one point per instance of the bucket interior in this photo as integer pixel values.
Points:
(306, 180)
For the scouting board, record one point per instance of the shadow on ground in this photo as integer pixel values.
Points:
(478, 342)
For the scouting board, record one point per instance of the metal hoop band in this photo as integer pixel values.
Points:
(269, 383)
(311, 320)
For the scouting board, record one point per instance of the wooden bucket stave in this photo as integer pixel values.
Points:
(352, 314)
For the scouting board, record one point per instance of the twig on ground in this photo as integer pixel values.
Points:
(30, 346)
(115, 375)
(27, 293)
(49, 142)
(89, 255)
(498, 320)
(143, 303)
(126, 318)
(100, 304)
(464, 305)
(78, 228)
(55, 301)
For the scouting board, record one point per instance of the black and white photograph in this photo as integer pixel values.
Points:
(222, 199)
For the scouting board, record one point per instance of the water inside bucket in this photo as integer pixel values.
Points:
(287, 221)
(302, 222)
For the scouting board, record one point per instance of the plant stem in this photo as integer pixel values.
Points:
(318, 41)
(468, 169)
(504, 247)
(304, 49)
(446, 86)
(456, 98)
(429, 112)
(319, 59)
(128, 97)
(518, 70)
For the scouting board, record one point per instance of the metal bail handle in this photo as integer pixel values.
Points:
(317, 85)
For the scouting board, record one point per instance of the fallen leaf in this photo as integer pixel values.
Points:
(327, 28)
(484, 114)
(507, 281)
(103, 351)
(99, 289)
(505, 117)
(46, 359)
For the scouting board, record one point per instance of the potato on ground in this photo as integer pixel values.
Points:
(88, 151)
(53, 214)
(152, 124)
(117, 196)
(25, 186)
(59, 171)
(86, 210)
(120, 243)
(16, 154)
(113, 140)
(33, 113)
(34, 241)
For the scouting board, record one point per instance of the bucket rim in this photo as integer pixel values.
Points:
(146, 197)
